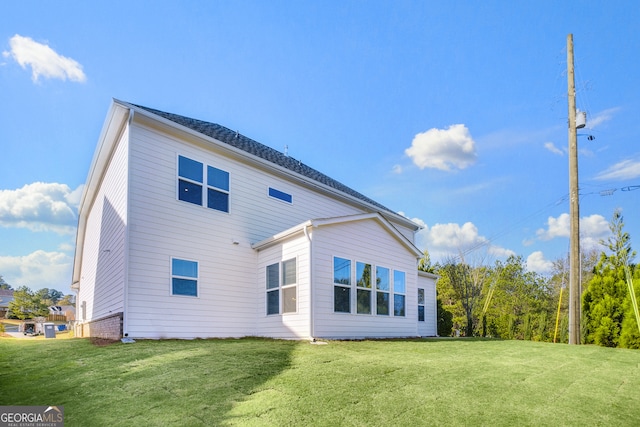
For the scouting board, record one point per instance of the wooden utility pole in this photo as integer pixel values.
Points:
(574, 207)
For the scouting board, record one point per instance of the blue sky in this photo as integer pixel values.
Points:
(453, 113)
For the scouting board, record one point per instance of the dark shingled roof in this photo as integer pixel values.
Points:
(244, 143)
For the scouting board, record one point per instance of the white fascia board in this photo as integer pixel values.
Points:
(428, 275)
(114, 123)
(270, 241)
(246, 156)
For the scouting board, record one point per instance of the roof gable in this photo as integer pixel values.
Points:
(323, 222)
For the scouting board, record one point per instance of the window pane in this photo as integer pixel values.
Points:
(184, 287)
(421, 313)
(280, 195)
(363, 275)
(217, 178)
(273, 302)
(398, 282)
(420, 296)
(382, 303)
(273, 276)
(190, 192)
(289, 272)
(190, 169)
(289, 300)
(341, 299)
(398, 305)
(341, 271)
(181, 267)
(217, 200)
(382, 278)
(364, 301)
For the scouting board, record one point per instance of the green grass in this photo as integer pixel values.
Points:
(258, 382)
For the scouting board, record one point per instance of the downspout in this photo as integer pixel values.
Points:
(312, 325)
(125, 291)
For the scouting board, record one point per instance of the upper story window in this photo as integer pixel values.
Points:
(191, 179)
(184, 277)
(280, 195)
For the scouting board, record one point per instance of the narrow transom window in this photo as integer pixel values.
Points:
(184, 277)
(280, 195)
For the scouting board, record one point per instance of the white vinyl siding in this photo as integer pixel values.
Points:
(368, 242)
(103, 271)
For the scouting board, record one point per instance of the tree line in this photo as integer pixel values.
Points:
(27, 304)
(504, 300)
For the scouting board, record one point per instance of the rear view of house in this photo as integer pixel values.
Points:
(190, 230)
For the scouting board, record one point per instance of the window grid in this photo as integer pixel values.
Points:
(192, 176)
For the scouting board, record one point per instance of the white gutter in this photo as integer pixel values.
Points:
(312, 288)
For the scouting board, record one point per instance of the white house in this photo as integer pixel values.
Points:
(190, 230)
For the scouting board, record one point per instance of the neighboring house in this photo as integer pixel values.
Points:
(190, 230)
(6, 296)
(68, 311)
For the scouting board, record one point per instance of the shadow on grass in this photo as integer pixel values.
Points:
(168, 382)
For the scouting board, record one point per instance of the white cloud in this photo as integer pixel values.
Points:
(38, 270)
(601, 117)
(40, 207)
(536, 262)
(593, 228)
(626, 169)
(445, 240)
(443, 149)
(552, 147)
(43, 60)
(397, 169)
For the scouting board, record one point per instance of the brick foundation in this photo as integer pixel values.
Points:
(109, 328)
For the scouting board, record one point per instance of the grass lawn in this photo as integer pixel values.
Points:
(260, 382)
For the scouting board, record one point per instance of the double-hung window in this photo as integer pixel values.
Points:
(190, 180)
(399, 290)
(217, 189)
(363, 288)
(284, 286)
(341, 285)
(192, 176)
(420, 305)
(382, 291)
(184, 277)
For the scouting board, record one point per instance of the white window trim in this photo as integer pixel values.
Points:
(204, 185)
(171, 276)
(281, 287)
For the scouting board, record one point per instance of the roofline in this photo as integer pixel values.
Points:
(117, 118)
(428, 275)
(321, 222)
(391, 216)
